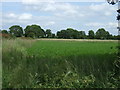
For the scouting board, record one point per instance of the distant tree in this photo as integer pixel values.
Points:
(75, 34)
(53, 35)
(108, 35)
(34, 30)
(91, 34)
(72, 33)
(82, 35)
(69, 33)
(59, 34)
(48, 33)
(116, 37)
(63, 34)
(16, 30)
(31, 34)
(42, 33)
(101, 34)
(4, 32)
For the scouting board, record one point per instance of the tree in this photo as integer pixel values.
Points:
(48, 33)
(34, 29)
(62, 34)
(82, 35)
(59, 34)
(72, 33)
(116, 37)
(16, 30)
(91, 34)
(53, 35)
(31, 34)
(101, 34)
(75, 34)
(108, 36)
(4, 32)
(66, 34)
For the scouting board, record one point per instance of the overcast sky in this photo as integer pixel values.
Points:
(60, 15)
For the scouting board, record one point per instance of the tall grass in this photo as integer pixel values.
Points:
(55, 64)
(0, 62)
(13, 59)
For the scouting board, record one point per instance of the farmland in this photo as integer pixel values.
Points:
(58, 64)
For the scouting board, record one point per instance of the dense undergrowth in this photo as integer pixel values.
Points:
(59, 64)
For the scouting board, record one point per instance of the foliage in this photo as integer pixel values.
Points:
(16, 30)
(53, 35)
(34, 31)
(82, 34)
(4, 32)
(91, 34)
(102, 34)
(48, 33)
(71, 34)
(31, 34)
(58, 64)
(116, 37)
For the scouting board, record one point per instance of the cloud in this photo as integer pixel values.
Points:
(97, 7)
(108, 13)
(113, 24)
(31, 1)
(60, 10)
(69, 10)
(11, 15)
(103, 8)
(97, 24)
(50, 23)
(62, 15)
(13, 18)
(64, 7)
(25, 16)
(25, 19)
(94, 24)
(36, 2)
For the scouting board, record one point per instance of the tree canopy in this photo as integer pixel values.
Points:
(70, 33)
(34, 31)
(16, 30)
(48, 33)
(91, 34)
(102, 34)
(4, 31)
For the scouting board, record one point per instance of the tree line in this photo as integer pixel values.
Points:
(35, 31)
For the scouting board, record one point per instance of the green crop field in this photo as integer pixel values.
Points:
(56, 64)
